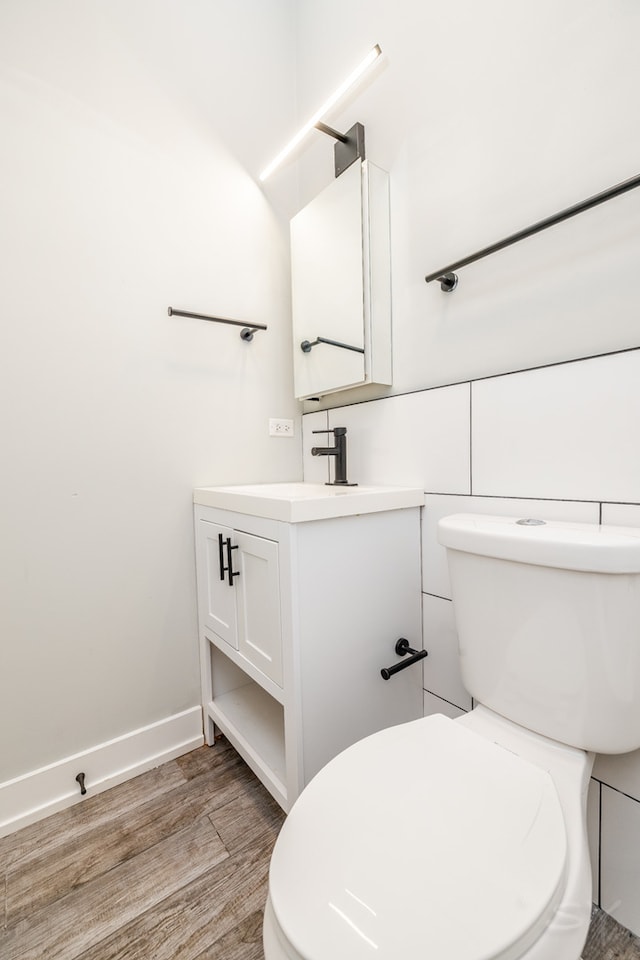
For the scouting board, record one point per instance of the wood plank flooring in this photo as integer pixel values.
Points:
(170, 866)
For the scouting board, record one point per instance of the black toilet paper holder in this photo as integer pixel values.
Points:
(402, 648)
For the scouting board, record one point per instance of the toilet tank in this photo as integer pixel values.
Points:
(548, 619)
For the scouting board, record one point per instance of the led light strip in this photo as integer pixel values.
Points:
(353, 77)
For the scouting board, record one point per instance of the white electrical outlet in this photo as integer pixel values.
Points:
(280, 428)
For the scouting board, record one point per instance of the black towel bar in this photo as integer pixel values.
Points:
(448, 277)
(246, 333)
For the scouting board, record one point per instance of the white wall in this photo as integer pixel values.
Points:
(489, 117)
(128, 130)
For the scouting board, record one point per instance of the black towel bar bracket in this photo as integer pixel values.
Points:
(448, 277)
(247, 328)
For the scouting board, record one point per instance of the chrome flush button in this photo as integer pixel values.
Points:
(531, 522)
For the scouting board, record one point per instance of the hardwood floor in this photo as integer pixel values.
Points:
(607, 940)
(170, 866)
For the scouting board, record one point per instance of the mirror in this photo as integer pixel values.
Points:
(341, 285)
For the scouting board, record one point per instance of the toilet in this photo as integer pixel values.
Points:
(466, 839)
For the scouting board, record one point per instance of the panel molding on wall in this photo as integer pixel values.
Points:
(41, 792)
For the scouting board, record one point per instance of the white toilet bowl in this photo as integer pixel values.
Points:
(456, 840)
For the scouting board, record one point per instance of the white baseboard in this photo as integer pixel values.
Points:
(41, 792)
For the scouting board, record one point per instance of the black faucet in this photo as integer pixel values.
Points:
(339, 452)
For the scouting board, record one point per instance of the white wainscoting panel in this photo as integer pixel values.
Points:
(619, 863)
(441, 670)
(433, 704)
(622, 514)
(435, 571)
(593, 834)
(315, 469)
(620, 770)
(419, 439)
(562, 432)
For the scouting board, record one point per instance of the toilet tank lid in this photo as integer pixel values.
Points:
(570, 546)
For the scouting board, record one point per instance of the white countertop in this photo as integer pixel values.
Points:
(298, 502)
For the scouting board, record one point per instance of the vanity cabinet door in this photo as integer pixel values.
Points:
(242, 609)
(258, 604)
(217, 597)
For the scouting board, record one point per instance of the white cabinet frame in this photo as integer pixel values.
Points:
(349, 587)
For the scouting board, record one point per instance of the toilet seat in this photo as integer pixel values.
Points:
(424, 840)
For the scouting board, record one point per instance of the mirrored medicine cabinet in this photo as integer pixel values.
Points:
(341, 285)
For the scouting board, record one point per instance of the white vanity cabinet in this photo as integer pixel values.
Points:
(297, 617)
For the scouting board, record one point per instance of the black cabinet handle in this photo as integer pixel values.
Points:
(402, 649)
(232, 573)
(228, 567)
(223, 569)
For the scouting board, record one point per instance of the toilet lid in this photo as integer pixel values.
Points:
(422, 841)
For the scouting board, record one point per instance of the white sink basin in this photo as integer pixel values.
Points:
(298, 502)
